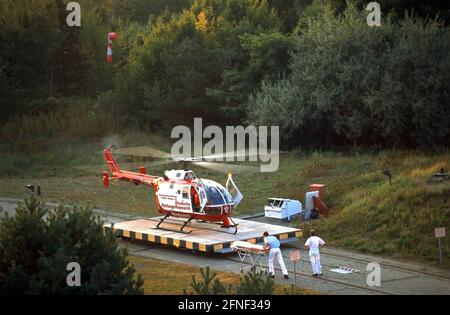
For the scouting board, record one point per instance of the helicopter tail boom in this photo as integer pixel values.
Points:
(118, 174)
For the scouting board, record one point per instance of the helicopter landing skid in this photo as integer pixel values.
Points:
(158, 226)
(235, 226)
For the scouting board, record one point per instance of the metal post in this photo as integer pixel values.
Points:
(295, 273)
(440, 251)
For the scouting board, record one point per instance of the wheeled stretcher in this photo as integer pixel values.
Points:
(250, 251)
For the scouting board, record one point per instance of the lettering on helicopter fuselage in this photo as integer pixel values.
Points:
(168, 197)
(177, 203)
(182, 215)
(172, 208)
(181, 206)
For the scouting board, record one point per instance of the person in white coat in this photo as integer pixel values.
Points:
(313, 244)
(273, 244)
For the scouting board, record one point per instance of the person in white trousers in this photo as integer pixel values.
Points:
(314, 243)
(273, 244)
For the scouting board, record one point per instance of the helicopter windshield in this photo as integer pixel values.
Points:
(217, 195)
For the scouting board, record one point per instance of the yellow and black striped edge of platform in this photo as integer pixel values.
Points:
(206, 248)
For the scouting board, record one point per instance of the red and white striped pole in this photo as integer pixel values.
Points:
(111, 37)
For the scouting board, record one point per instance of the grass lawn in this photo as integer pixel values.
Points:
(160, 279)
(367, 214)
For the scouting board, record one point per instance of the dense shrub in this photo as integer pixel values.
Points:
(193, 64)
(353, 84)
(36, 245)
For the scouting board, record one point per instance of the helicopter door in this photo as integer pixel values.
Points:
(199, 187)
(183, 203)
(234, 191)
(195, 199)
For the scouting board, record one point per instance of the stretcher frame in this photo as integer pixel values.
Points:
(254, 255)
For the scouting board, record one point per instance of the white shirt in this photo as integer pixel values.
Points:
(313, 243)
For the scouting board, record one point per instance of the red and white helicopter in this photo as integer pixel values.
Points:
(181, 194)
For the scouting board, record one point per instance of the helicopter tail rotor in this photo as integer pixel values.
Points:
(112, 164)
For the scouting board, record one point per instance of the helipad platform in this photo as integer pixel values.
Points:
(205, 237)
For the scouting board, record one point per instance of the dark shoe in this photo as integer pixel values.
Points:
(315, 275)
(286, 277)
(272, 276)
(320, 275)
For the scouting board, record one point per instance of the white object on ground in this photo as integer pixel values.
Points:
(279, 208)
(344, 270)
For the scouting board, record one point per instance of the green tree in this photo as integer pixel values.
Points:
(399, 9)
(252, 283)
(209, 285)
(268, 60)
(185, 56)
(356, 85)
(42, 57)
(255, 283)
(27, 39)
(289, 11)
(37, 244)
(412, 101)
(143, 11)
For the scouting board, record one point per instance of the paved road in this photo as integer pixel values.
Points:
(396, 277)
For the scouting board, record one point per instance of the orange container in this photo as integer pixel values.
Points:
(318, 187)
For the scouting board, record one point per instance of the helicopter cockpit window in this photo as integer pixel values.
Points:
(217, 195)
(214, 196)
(226, 195)
(189, 176)
(185, 193)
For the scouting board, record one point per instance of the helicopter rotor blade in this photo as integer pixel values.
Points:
(143, 151)
(240, 154)
(227, 168)
(213, 162)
